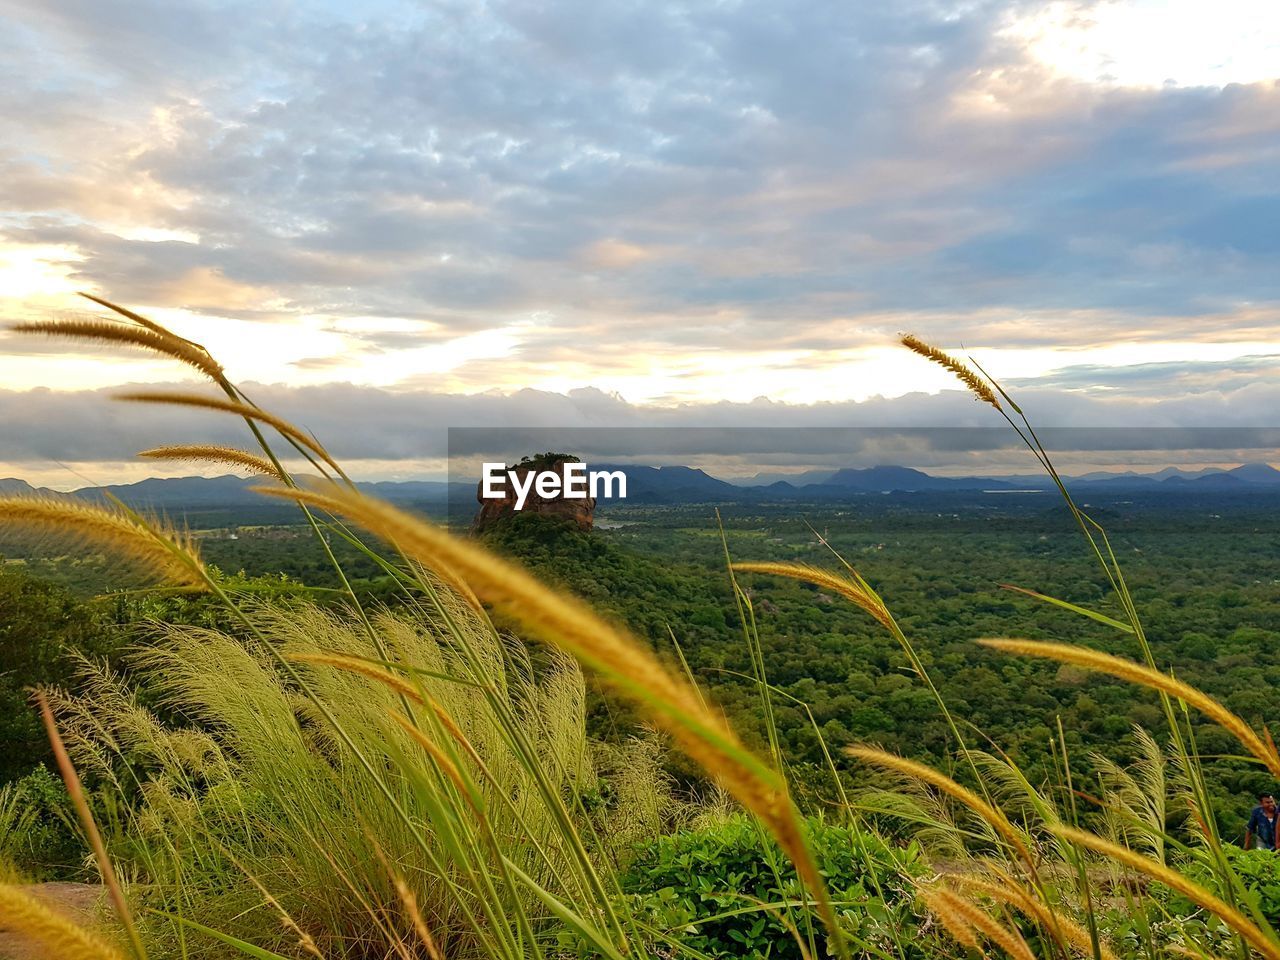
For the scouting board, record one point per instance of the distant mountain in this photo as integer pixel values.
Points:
(886, 479)
(1123, 480)
(11, 486)
(896, 479)
(681, 484)
(1169, 473)
(676, 484)
(1215, 480)
(1256, 473)
(1110, 476)
(672, 484)
(801, 479)
(415, 490)
(169, 494)
(179, 492)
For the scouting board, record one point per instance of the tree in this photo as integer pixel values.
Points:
(39, 623)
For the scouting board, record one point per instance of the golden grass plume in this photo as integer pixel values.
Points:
(1007, 889)
(212, 453)
(409, 901)
(90, 827)
(131, 315)
(410, 904)
(625, 663)
(403, 687)
(960, 910)
(978, 385)
(398, 684)
(1145, 676)
(455, 732)
(919, 771)
(246, 410)
(363, 667)
(154, 338)
(443, 761)
(166, 552)
(823, 578)
(1229, 915)
(59, 937)
(952, 920)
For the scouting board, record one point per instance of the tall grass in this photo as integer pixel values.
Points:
(254, 793)
(376, 784)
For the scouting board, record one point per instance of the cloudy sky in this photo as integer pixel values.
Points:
(393, 217)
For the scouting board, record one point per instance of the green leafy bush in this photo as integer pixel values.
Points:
(39, 623)
(1258, 872)
(37, 827)
(724, 891)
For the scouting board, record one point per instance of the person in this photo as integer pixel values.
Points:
(1261, 829)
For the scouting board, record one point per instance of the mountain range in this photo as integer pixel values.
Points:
(907, 479)
(225, 491)
(682, 484)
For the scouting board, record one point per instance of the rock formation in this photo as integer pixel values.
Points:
(579, 512)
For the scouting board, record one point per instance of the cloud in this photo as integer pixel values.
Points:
(1204, 417)
(573, 190)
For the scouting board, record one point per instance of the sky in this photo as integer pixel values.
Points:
(389, 218)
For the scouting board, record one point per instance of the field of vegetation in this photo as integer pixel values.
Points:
(772, 732)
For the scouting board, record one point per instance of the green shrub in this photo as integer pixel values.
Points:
(37, 827)
(722, 890)
(1257, 870)
(16, 821)
(39, 623)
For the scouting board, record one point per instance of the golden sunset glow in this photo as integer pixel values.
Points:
(36, 275)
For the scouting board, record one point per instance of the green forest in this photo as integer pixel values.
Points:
(1205, 575)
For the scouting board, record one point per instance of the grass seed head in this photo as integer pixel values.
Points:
(128, 314)
(1008, 940)
(1066, 931)
(952, 920)
(212, 453)
(981, 389)
(362, 667)
(1229, 915)
(155, 339)
(919, 771)
(168, 553)
(1145, 676)
(60, 937)
(237, 408)
(823, 578)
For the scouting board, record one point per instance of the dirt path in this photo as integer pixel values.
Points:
(75, 900)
